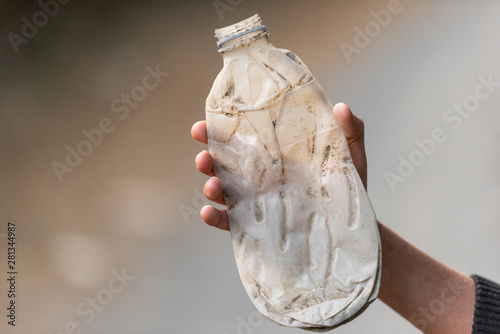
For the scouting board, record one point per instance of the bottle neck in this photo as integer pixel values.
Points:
(244, 33)
(250, 41)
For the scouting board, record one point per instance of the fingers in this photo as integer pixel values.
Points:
(213, 187)
(205, 163)
(213, 190)
(214, 217)
(209, 214)
(199, 131)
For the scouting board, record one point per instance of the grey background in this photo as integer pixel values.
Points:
(121, 207)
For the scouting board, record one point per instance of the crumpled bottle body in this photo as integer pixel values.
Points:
(304, 232)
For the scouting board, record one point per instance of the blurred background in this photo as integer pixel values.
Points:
(111, 242)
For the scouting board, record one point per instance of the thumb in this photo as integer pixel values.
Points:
(354, 131)
(351, 124)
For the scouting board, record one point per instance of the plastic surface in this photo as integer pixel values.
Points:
(304, 232)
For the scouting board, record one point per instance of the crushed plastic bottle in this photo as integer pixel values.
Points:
(304, 232)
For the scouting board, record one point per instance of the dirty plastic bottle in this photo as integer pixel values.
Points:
(304, 232)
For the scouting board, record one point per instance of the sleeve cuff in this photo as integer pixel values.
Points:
(487, 309)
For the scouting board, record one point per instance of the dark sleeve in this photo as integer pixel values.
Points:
(487, 309)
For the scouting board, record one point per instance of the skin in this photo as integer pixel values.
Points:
(429, 294)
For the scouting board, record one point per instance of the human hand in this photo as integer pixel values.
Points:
(352, 126)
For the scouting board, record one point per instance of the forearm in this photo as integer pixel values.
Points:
(432, 296)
